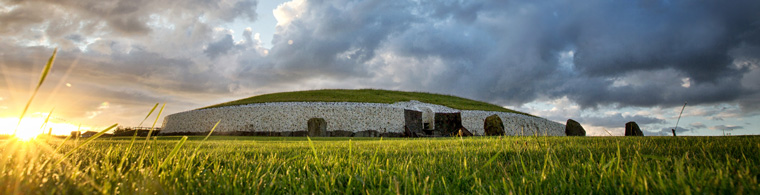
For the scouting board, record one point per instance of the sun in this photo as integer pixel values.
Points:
(25, 130)
(26, 135)
(31, 127)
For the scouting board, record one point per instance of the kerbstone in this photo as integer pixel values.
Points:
(493, 126)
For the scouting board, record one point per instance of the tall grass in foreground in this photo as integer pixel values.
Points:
(43, 75)
(492, 165)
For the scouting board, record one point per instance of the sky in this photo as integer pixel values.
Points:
(600, 62)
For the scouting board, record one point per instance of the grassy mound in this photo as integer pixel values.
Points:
(369, 96)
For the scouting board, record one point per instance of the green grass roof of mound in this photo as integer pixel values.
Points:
(369, 96)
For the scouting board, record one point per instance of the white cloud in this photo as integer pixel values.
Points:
(102, 107)
(289, 11)
(686, 82)
(726, 127)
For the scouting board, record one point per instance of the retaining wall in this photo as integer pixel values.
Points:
(514, 124)
(343, 116)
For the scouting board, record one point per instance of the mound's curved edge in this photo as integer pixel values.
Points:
(349, 117)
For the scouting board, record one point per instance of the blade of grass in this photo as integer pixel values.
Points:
(608, 132)
(85, 143)
(149, 113)
(147, 138)
(79, 134)
(45, 72)
(204, 140)
(210, 132)
(126, 152)
(57, 149)
(134, 137)
(42, 127)
(173, 152)
(491, 159)
(154, 123)
(314, 150)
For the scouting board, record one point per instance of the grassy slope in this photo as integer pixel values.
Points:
(368, 95)
(478, 165)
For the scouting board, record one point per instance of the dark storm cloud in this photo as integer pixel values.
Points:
(330, 41)
(596, 53)
(652, 88)
(624, 53)
(220, 47)
(123, 17)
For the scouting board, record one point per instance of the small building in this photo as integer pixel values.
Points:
(87, 134)
(75, 134)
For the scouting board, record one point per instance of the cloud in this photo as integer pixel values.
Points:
(102, 107)
(726, 127)
(592, 55)
(220, 47)
(669, 130)
(288, 11)
(698, 125)
(618, 120)
(623, 53)
(128, 53)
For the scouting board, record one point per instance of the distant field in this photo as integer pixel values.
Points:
(368, 95)
(475, 165)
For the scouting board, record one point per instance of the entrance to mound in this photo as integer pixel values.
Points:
(428, 117)
(448, 123)
(317, 127)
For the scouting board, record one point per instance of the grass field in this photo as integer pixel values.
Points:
(295, 165)
(368, 95)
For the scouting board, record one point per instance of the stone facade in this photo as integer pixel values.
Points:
(514, 124)
(358, 118)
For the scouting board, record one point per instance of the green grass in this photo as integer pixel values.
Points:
(476, 165)
(368, 95)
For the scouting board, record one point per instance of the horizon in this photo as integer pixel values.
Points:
(600, 63)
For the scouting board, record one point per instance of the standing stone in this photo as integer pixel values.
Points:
(573, 128)
(317, 127)
(632, 129)
(493, 126)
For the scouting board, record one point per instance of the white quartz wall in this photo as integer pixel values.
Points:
(514, 124)
(291, 116)
(355, 117)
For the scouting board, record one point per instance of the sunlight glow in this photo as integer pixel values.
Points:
(31, 127)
